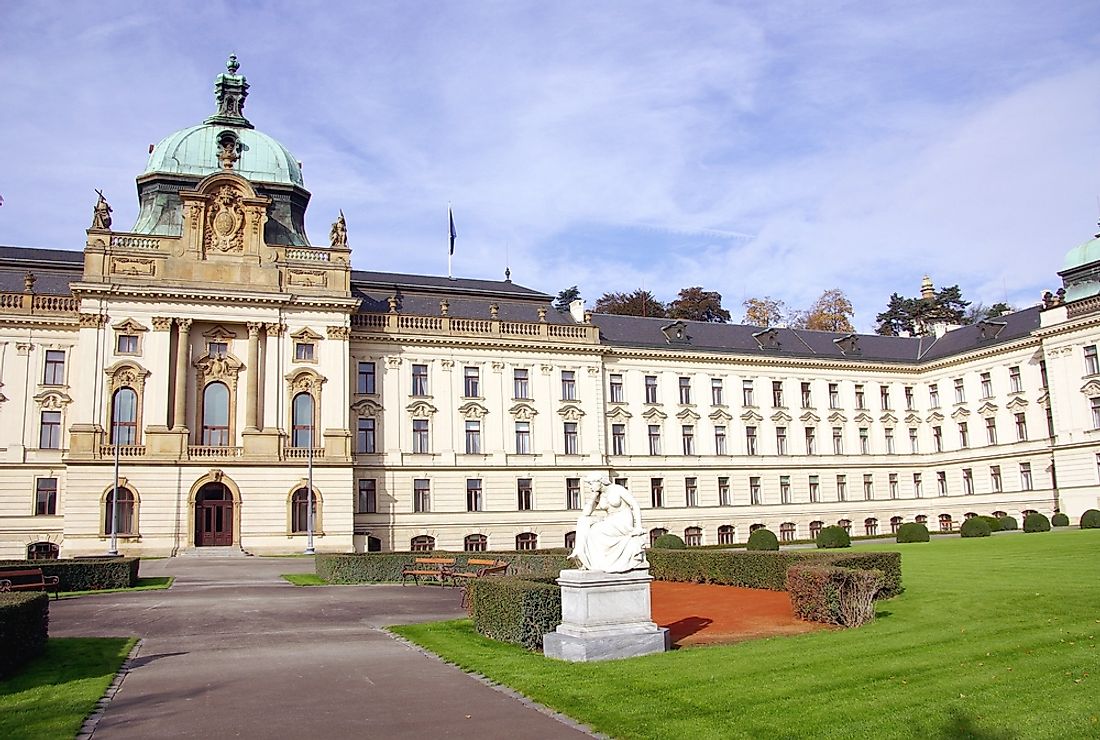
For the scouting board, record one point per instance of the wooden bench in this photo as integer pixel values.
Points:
(441, 569)
(476, 568)
(28, 579)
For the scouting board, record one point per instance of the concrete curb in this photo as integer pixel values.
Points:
(92, 720)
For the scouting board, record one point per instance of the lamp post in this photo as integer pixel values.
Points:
(113, 552)
(309, 491)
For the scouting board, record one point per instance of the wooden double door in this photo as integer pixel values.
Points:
(213, 516)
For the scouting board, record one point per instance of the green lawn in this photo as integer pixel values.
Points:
(993, 638)
(154, 583)
(305, 579)
(54, 693)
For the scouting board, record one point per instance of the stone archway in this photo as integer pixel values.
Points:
(214, 516)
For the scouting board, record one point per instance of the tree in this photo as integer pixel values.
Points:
(766, 311)
(978, 312)
(566, 297)
(897, 319)
(639, 303)
(949, 306)
(919, 315)
(696, 304)
(831, 312)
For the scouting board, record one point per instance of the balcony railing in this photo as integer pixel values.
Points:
(302, 453)
(394, 323)
(123, 450)
(208, 451)
(33, 303)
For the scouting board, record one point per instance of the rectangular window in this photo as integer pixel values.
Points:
(422, 495)
(685, 390)
(50, 436)
(1094, 403)
(838, 441)
(365, 440)
(1015, 385)
(893, 483)
(755, 497)
(807, 396)
(654, 435)
(367, 501)
(750, 440)
(691, 492)
(777, 393)
(914, 440)
(861, 401)
(815, 489)
(995, 478)
(964, 435)
(888, 435)
(868, 486)
(968, 481)
(991, 430)
(864, 441)
(1021, 427)
(784, 489)
(573, 493)
(747, 397)
(934, 396)
(221, 349)
(960, 392)
(717, 394)
(687, 432)
(473, 437)
(908, 398)
(618, 439)
(519, 383)
(811, 440)
(781, 440)
(55, 367)
(126, 344)
(1025, 476)
(524, 496)
(656, 492)
(365, 380)
(884, 397)
(1092, 362)
(987, 385)
(842, 488)
(724, 492)
(941, 482)
(303, 351)
(834, 395)
(471, 382)
(572, 447)
(568, 385)
(937, 439)
(420, 436)
(720, 440)
(918, 486)
(420, 380)
(651, 389)
(615, 389)
(45, 497)
(473, 494)
(523, 438)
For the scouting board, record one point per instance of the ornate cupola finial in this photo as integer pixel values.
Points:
(230, 91)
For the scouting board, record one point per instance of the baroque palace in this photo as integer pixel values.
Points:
(225, 362)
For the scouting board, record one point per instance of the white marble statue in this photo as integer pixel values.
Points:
(610, 537)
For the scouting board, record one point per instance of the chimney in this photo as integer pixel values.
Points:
(576, 310)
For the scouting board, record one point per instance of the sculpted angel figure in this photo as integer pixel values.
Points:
(610, 537)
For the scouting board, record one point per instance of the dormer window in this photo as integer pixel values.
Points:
(767, 339)
(848, 345)
(990, 329)
(676, 333)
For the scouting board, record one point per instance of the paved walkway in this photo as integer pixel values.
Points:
(232, 650)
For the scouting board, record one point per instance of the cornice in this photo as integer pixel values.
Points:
(161, 294)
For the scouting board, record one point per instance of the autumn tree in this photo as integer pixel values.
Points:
(831, 312)
(566, 297)
(696, 304)
(766, 311)
(639, 303)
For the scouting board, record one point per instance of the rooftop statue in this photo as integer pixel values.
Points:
(101, 214)
(338, 234)
(610, 537)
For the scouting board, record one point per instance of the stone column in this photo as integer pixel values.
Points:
(183, 354)
(252, 399)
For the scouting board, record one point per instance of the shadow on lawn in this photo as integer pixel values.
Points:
(961, 725)
(682, 628)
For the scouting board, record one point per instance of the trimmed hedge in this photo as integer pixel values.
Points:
(913, 532)
(1009, 524)
(993, 522)
(669, 542)
(382, 567)
(24, 628)
(1090, 519)
(514, 609)
(762, 539)
(832, 594)
(832, 537)
(975, 526)
(1036, 523)
(1059, 520)
(85, 574)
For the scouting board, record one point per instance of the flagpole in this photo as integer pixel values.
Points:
(450, 238)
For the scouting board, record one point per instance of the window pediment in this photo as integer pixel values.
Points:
(367, 407)
(525, 411)
(420, 409)
(225, 369)
(569, 412)
(934, 418)
(987, 410)
(1091, 388)
(1016, 404)
(126, 374)
(128, 326)
(618, 414)
(219, 333)
(888, 419)
(473, 410)
(863, 418)
(781, 417)
(810, 418)
(654, 414)
(305, 380)
(837, 418)
(913, 419)
(53, 400)
(688, 415)
(306, 334)
(720, 415)
(960, 413)
(751, 415)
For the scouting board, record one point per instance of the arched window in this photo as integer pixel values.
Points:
(870, 525)
(475, 543)
(215, 415)
(1026, 512)
(895, 522)
(42, 551)
(124, 417)
(846, 525)
(786, 532)
(816, 527)
(755, 527)
(655, 533)
(945, 522)
(527, 541)
(570, 540)
(301, 434)
(1000, 514)
(374, 544)
(299, 511)
(726, 534)
(970, 514)
(125, 523)
(422, 543)
(693, 536)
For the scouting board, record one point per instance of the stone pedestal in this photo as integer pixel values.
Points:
(604, 616)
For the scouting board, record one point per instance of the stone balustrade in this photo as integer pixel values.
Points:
(394, 323)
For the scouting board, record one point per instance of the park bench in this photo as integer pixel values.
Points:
(28, 579)
(440, 569)
(476, 568)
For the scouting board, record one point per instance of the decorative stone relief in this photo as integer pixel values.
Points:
(133, 266)
(570, 413)
(472, 410)
(688, 415)
(392, 363)
(752, 416)
(23, 348)
(307, 278)
(654, 414)
(420, 409)
(546, 369)
(306, 381)
(162, 323)
(720, 415)
(447, 365)
(338, 332)
(52, 400)
(225, 369)
(367, 407)
(126, 375)
(93, 320)
(523, 411)
(497, 366)
(224, 231)
(275, 329)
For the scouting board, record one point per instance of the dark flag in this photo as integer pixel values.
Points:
(453, 232)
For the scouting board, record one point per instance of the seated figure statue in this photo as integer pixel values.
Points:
(610, 537)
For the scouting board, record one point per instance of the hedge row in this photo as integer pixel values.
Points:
(24, 627)
(1090, 519)
(832, 594)
(91, 574)
(380, 567)
(515, 610)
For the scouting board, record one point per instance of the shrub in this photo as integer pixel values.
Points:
(85, 574)
(381, 567)
(833, 595)
(993, 522)
(1090, 519)
(515, 609)
(975, 526)
(913, 532)
(1036, 522)
(24, 627)
(669, 542)
(833, 537)
(762, 539)
(1009, 524)
(1059, 520)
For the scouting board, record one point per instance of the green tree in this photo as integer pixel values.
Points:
(919, 315)
(696, 304)
(639, 303)
(566, 297)
(766, 311)
(897, 319)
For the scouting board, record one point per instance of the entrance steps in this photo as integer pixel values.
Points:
(233, 551)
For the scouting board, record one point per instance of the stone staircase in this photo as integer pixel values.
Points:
(232, 551)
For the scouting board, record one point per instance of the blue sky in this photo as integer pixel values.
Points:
(777, 148)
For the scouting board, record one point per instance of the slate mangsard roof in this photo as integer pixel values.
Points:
(53, 269)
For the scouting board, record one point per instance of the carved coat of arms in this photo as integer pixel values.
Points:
(225, 222)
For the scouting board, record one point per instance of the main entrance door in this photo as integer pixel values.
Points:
(213, 516)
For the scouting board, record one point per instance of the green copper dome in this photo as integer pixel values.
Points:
(1082, 255)
(194, 151)
(1081, 270)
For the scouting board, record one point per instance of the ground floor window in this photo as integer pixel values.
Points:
(870, 526)
(786, 532)
(422, 543)
(755, 527)
(815, 528)
(300, 510)
(693, 536)
(42, 551)
(895, 523)
(846, 525)
(945, 522)
(726, 534)
(570, 540)
(475, 543)
(655, 533)
(124, 522)
(527, 541)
